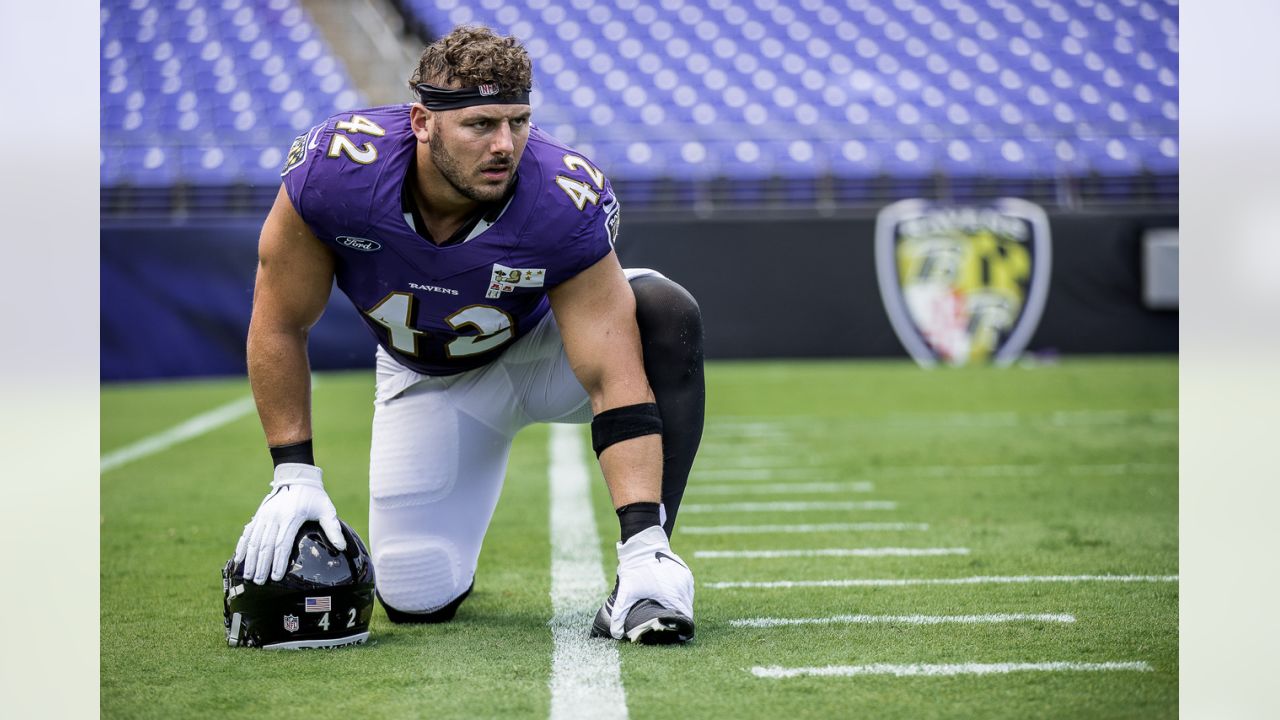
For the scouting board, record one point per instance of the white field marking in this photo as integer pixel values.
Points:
(833, 552)
(768, 622)
(1058, 419)
(727, 446)
(586, 679)
(813, 423)
(728, 456)
(747, 421)
(945, 670)
(1122, 468)
(744, 424)
(196, 426)
(812, 528)
(757, 451)
(692, 508)
(772, 431)
(718, 473)
(979, 580)
(1021, 470)
(781, 488)
(959, 470)
(928, 471)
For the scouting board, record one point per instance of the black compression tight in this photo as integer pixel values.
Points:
(671, 337)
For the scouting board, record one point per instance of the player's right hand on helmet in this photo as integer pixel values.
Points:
(297, 495)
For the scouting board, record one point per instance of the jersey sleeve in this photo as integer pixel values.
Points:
(594, 233)
(298, 165)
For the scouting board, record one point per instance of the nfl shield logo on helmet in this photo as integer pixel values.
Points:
(963, 284)
(291, 623)
(487, 90)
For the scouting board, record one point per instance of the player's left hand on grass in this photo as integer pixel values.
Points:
(297, 495)
(649, 570)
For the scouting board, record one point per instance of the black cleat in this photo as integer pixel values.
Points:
(652, 624)
(600, 626)
(648, 622)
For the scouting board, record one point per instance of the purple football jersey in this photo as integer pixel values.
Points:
(444, 309)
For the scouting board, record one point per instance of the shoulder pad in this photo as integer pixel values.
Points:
(576, 188)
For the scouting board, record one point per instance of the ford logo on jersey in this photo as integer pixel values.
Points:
(360, 244)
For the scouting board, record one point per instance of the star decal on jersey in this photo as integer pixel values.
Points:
(505, 279)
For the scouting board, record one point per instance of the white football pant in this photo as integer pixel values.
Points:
(439, 456)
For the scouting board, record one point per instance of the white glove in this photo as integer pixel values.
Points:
(297, 496)
(649, 570)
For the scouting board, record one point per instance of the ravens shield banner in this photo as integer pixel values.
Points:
(963, 284)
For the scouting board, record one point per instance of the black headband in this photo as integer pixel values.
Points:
(438, 98)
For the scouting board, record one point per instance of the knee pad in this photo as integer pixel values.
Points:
(444, 614)
(667, 313)
(422, 576)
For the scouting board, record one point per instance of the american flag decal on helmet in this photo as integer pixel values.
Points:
(487, 90)
(319, 604)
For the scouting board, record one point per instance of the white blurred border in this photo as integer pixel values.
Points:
(49, 364)
(1230, 358)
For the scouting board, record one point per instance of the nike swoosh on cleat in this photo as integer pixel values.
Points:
(659, 554)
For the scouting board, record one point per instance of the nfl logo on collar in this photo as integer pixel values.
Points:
(487, 90)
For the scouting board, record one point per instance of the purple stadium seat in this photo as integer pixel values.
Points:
(1113, 156)
(181, 77)
(683, 90)
(1159, 154)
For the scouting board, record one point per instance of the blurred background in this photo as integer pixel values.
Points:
(755, 146)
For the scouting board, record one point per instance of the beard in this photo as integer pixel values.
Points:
(453, 173)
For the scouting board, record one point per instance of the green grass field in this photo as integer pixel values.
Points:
(1063, 470)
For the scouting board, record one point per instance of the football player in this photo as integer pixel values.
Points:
(479, 251)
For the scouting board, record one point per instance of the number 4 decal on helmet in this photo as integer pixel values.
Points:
(336, 585)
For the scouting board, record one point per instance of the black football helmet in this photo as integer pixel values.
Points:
(324, 600)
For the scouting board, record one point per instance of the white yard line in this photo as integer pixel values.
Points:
(980, 580)
(745, 475)
(1036, 469)
(769, 622)
(809, 423)
(740, 457)
(757, 431)
(586, 677)
(692, 508)
(945, 670)
(832, 552)
(1122, 468)
(716, 473)
(196, 426)
(728, 446)
(803, 528)
(780, 488)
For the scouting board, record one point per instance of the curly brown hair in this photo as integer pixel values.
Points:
(473, 55)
